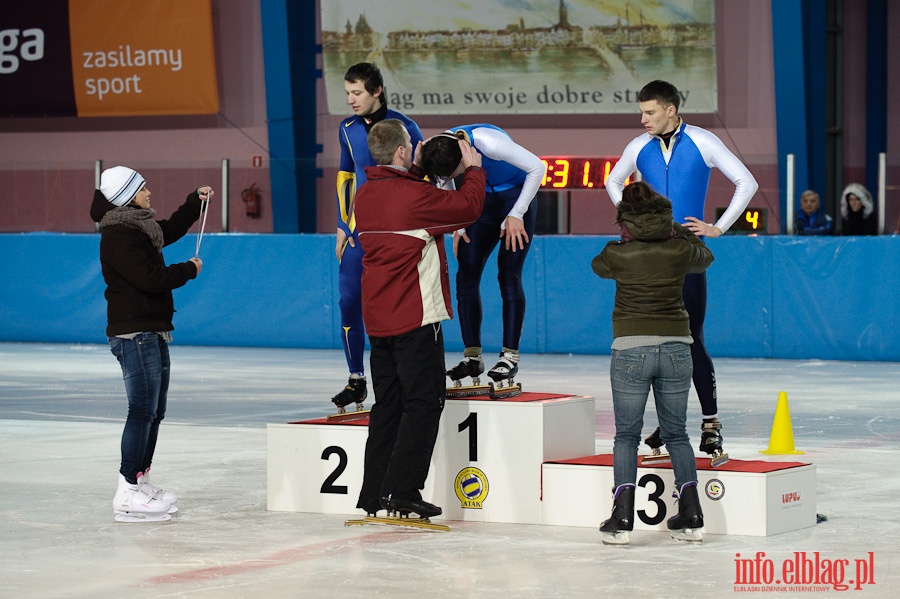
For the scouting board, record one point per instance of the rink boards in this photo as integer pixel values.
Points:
(530, 460)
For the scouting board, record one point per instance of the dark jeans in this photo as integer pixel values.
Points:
(145, 369)
(408, 378)
(633, 372)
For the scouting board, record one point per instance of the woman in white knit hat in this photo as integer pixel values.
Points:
(139, 288)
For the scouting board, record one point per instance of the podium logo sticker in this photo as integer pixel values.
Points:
(715, 489)
(471, 488)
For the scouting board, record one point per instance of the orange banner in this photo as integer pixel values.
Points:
(133, 57)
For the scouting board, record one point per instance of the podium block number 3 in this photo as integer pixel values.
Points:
(471, 423)
(328, 486)
(659, 488)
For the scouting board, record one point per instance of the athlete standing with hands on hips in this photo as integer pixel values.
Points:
(514, 176)
(676, 160)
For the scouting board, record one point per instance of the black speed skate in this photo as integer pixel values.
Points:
(399, 511)
(471, 366)
(654, 442)
(686, 524)
(354, 392)
(503, 374)
(621, 522)
(711, 441)
(403, 507)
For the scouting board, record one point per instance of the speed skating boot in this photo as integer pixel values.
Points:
(354, 392)
(654, 442)
(711, 441)
(470, 366)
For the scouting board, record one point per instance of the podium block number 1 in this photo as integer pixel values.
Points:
(328, 486)
(471, 423)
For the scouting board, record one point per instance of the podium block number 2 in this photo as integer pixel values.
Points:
(471, 423)
(328, 486)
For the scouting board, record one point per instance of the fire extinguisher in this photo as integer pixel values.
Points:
(252, 200)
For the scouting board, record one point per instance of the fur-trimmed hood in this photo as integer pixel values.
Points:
(863, 194)
(646, 214)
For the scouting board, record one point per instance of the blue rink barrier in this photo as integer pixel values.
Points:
(831, 298)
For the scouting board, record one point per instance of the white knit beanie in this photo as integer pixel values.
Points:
(120, 184)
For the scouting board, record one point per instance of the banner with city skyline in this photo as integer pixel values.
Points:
(510, 57)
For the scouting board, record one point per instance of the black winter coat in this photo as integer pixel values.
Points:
(138, 283)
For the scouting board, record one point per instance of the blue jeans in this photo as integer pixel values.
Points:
(667, 369)
(145, 368)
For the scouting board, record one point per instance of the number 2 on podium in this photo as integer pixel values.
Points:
(328, 486)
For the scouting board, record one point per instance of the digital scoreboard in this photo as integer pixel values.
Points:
(576, 172)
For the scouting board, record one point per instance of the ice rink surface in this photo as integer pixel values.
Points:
(61, 414)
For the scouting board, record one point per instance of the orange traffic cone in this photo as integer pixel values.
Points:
(781, 441)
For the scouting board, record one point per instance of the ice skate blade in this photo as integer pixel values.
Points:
(500, 392)
(340, 417)
(662, 458)
(135, 517)
(717, 460)
(467, 391)
(619, 538)
(420, 523)
(687, 535)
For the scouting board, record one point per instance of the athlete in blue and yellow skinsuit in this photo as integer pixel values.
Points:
(364, 86)
(676, 159)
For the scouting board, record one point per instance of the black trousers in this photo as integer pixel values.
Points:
(409, 380)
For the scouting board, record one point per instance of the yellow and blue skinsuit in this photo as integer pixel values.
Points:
(355, 157)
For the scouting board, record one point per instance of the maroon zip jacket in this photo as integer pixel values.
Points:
(401, 219)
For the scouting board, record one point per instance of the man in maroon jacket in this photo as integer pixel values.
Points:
(401, 219)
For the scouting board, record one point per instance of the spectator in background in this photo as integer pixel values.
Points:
(812, 220)
(857, 211)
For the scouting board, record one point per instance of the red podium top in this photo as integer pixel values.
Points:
(526, 396)
(755, 466)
